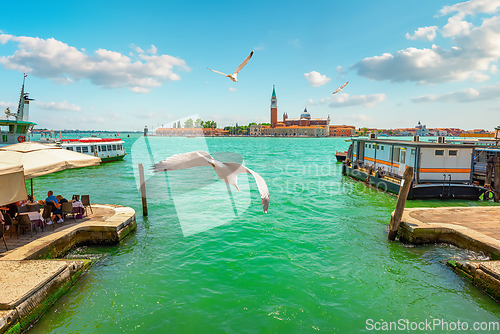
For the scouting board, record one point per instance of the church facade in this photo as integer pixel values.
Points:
(304, 126)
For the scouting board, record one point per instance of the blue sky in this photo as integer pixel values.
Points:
(118, 65)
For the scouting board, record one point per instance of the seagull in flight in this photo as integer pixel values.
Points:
(340, 88)
(226, 171)
(238, 69)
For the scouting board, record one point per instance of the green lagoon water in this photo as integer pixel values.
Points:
(317, 261)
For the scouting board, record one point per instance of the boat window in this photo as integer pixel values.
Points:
(382, 147)
(453, 153)
(79, 149)
(413, 151)
(366, 145)
(439, 152)
(85, 149)
(99, 148)
(4, 128)
(70, 148)
(403, 157)
(4, 138)
(396, 154)
(109, 147)
(114, 147)
(92, 149)
(104, 148)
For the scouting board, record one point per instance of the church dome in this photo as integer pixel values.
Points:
(305, 114)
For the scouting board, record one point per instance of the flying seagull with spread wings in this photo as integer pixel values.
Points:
(340, 88)
(238, 69)
(226, 171)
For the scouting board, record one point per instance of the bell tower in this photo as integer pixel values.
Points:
(274, 109)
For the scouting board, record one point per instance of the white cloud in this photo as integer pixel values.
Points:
(475, 49)
(340, 70)
(260, 47)
(315, 79)
(310, 102)
(59, 106)
(456, 27)
(62, 63)
(463, 96)
(232, 89)
(340, 100)
(494, 69)
(425, 34)
(10, 105)
(153, 49)
(139, 50)
(472, 7)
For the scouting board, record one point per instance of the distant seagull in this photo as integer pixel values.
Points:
(226, 171)
(340, 88)
(238, 69)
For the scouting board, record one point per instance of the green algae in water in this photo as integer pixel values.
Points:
(319, 260)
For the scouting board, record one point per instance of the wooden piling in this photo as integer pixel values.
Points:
(143, 190)
(400, 205)
(489, 172)
(496, 174)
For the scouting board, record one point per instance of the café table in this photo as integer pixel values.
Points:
(35, 217)
(78, 207)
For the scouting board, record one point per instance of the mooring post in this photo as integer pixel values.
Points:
(400, 205)
(489, 172)
(143, 190)
(496, 174)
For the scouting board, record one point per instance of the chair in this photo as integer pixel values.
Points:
(9, 222)
(76, 198)
(67, 209)
(24, 221)
(33, 207)
(22, 209)
(3, 236)
(86, 202)
(47, 213)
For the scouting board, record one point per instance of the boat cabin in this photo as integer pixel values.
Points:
(442, 168)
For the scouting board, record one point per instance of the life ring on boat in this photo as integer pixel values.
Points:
(21, 139)
(488, 195)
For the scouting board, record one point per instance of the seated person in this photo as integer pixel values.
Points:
(31, 199)
(61, 200)
(56, 206)
(12, 209)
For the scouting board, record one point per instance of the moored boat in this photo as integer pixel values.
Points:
(17, 130)
(441, 170)
(341, 156)
(108, 149)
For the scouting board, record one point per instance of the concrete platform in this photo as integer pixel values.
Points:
(32, 282)
(473, 228)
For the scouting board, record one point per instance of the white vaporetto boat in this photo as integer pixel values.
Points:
(17, 130)
(108, 149)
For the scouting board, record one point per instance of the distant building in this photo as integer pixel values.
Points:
(304, 126)
(190, 132)
(421, 130)
(342, 130)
